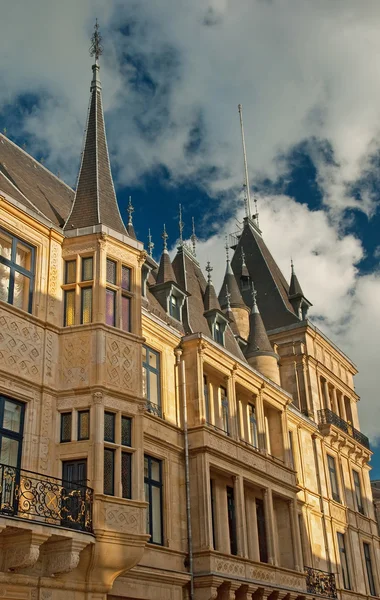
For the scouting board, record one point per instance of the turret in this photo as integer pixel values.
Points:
(296, 296)
(235, 302)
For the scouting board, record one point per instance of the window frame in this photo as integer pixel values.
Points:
(345, 568)
(65, 413)
(151, 406)
(333, 475)
(77, 287)
(4, 432)
(225, 410)
(369, 568)
(14, 267)
(358, 492)
(252, 424)
(119, 292)
(79, 413)
(153, 483)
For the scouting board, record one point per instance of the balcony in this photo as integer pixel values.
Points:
(32, 496)
(154, 409)
(320, 582)
(328, 417)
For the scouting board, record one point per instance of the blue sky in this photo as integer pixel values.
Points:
(173, 73)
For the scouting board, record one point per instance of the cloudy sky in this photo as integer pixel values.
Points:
(173, 73)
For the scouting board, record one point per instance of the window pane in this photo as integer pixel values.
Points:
(86, 316)
(111, 271)
(155, 470)
(66, 427)
(125, 313)
(69, 308)
(126, 431)
(83, 425)
(126, 461)
(23, 256)
(153, 359)
(146, 472)
(4, 282)
(156, 516)
(109, 427)
(144, 383)
(21, 291)
(5, 245)
(109, 463)
(146, 490)
(125, 278)
(12, 416)
(87, 268)
(71, 274)
(153, 388)
(9, 451)
(144, 353)
(110, 307)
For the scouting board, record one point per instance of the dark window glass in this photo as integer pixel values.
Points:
(70, 271)
(83, 425)
(16, 271)
(333, 478)
(358, 492)
(126, 479)
(151, 380)
(344, 561)
(66, 427)
(86, 308)
(261, 530)
(109, 427)
(253, 425)
(11, 430)
(174, 308)
(126, 431)
(110, 307)
(69, 308)
(231, 519)
(225, 410)
(368, 564)
(125, 313)
(87, 268)
(153, 495)
(207, 399)
(218, 333)
(125, 278)
(109, 469)
(111, 271)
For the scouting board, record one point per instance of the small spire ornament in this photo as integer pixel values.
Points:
(130, 210)
(181, 226)
(209, 270)
(193, 237)
(96, 48)
(253, 294)
(228, 298)
(227, 249)
(165, 238)
(150, 244)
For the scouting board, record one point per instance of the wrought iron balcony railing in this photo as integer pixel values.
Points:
(154, 409)
(220, 429)
(45, 499)
(320, 582)
(328, 417)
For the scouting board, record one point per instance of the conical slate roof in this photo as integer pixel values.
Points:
(131, 231)
(95, 199)
(294, 288)
(210, 299)
(165, 270)
(230, 284)
(258, 340)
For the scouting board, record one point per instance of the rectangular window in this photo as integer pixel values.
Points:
(344, 561)
(261, 530)
(109, 466)
(70, 271)
(151, 380)
(153, 495)
(125, 278)
(218, 333)
(69, 308)
(358, 492)
(83, 425)
(11, 432)
(109, 427)
(87, 268)
(231, 519)
(125, 313)
(207, 399)
(174, 309)
(16, 271)
(368, 564)
(111, 307)
(86, 305)
(253, 425)
(111, 271)
(126, 478)
(333, 478)
(126, 431)
(225, 410)
(66, 427)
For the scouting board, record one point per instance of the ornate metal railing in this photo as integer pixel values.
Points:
(218, 428)
(320, 582)
(155, 409)
(328, 417)
(45, 499)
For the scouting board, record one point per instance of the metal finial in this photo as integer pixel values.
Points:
(228, 298)
(165, 238)
(180, 225)
(242, 257)
(150, 244)
(292, 265)
(254, 294)
(227, 249)
(5, 131)
(209, 270)
(130, 210)
(256, 211)
(96, 48)
(193, 236)
(247, 197)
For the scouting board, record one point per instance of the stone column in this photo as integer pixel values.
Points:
(343, 413)
(252, 532)
(241, 521)
(221, 525)
(232, 405)
(200, 493)
(296, 535)
(261, 421)
(327, 395)
(98, 429)
(285, 438)
(138, 492)
(271, 530)
(336, 408)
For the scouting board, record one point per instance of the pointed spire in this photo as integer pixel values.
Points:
(256, 215)
(230, 283)
(181, 226)
(294, 288)
(130, 211)
(247, 196)
(95, 199)
(150, 244)
(193, 237)
(258, 340)
(165, 270)
(210, 299)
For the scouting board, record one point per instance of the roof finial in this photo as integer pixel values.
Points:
(228, 299)
(150, 244)
(292, 265)
(243, 257)
(256, 211)
(227, 249)
(193, 236)
(165, 238)
(96, 48)
(247, 199)
(130, 210)
(209, 270)
(181, 226)
(254, 294)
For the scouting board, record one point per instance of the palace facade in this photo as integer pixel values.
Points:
(159, 441)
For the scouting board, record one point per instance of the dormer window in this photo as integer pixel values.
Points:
(217, 323)
(245, 283)
(219, 333)
(174, 307)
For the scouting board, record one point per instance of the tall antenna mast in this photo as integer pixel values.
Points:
(246, 180)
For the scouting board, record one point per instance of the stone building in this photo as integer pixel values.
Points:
(159, 441)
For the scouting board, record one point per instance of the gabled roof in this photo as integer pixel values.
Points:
(30, 183)
(270, 284)
(95, 199)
